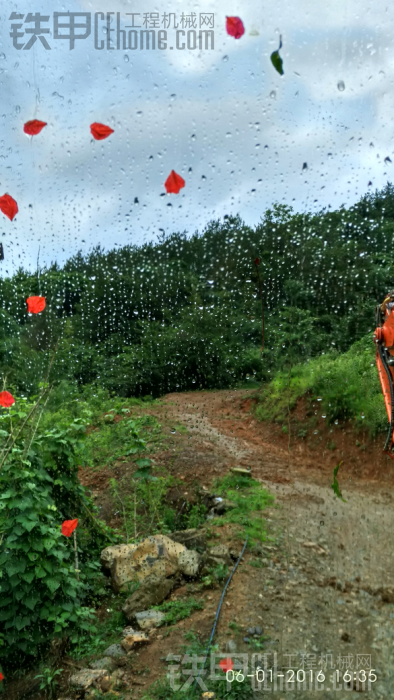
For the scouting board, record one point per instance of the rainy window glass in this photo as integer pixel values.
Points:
(196, 350)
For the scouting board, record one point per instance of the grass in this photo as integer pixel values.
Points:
(107, 628)
(250, 499)
(143, 504)
(340, 387)
(109, 440)
(162, 689)
(178, 609)
(233, 626)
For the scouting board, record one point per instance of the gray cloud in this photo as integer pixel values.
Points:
(224, 113)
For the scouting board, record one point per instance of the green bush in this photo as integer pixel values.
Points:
(41, 596)
(341, 387)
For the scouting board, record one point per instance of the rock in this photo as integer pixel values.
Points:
(114, 651)
(258, 630)
(118, 674)
(246, 640)
(231, 646)
(105, 684)
(250, 631)
(192, 539)
(149, 619)
(189, 563)
(155, 555)
(151, 592)
(83, 679)
(387, 595)
(109, 554)
(218, 555)
(105, 663)
(127, 631)
(133, 640)
(241, 471)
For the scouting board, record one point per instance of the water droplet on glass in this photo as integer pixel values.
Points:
(17, 109)
(341, 85)
(225, 58)
(126, 58)
(2, 56)
(272, 94)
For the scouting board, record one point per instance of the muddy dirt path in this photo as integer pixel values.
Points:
(324, 592)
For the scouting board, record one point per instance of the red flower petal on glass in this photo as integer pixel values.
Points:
(235, 27)
(1, 677)
(257, 261)
(69, 526)
(33, 127)
(226, 665)
(6, 399)
(35, 305)
(174, 183)
(8, 206)
(100, 131)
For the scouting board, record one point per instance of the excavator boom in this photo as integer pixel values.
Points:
(384, 339)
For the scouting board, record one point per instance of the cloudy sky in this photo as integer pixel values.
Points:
(224, 119)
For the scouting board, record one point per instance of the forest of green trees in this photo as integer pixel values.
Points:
(185, 313)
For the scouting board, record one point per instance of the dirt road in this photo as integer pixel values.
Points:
(325, 591)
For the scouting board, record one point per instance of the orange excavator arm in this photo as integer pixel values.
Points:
(384, 339)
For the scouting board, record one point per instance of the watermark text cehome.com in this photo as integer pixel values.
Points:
(187, 31)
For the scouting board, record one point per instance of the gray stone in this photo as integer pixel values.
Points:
(218, 555)
(231, 646)
(387, 595)
(250, 630)
(148, 619)
(134, 640)
(189, 563)
(246, 640)
(156, 555)
(109, 554)
(85, 677)
(258, 630)
(106, 663)
(241, 471)
(114, 650)
(152, 591)
(192, 539)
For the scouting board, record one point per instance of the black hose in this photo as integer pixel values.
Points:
(217, 617)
